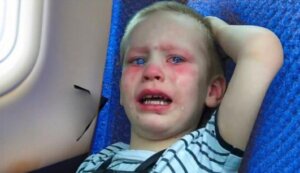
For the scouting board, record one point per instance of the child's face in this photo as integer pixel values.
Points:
(164, 79)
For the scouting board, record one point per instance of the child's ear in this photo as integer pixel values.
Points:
(215, 92)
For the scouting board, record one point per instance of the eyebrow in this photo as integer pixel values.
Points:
(138, 49)
(162, 47)
(170, 47)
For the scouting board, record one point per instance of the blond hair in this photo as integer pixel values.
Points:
(215, 64)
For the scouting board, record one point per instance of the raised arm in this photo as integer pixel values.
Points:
(258, 55)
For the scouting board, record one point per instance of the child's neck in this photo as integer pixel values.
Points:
(138, 142)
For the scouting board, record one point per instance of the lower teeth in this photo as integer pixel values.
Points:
(155, 102)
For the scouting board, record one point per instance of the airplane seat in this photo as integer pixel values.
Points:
(274, 145)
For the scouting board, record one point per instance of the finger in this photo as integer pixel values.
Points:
(216, 23)
(215, 20)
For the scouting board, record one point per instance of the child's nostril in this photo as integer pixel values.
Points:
(157, 77)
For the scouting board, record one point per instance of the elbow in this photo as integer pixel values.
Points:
(274, 48)
(267, 49)
(275, 51)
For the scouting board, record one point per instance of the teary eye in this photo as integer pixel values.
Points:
(138, 61)
(176, 59)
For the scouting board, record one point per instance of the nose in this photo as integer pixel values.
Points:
(153, 72)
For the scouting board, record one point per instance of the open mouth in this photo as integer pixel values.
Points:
(155, 100)
(159, 99)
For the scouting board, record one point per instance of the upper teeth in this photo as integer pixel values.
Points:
(155, 96)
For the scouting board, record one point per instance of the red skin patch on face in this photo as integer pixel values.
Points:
(184, 70)
(184, 73)
(130, 73)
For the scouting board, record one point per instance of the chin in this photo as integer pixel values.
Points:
(157, 130)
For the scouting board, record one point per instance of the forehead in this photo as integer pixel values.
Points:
(170, 28)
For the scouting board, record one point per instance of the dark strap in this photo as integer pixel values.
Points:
(103, 167)
(150, 162)
(105, 164)
(147, 165)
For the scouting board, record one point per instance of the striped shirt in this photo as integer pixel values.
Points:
(202, 150)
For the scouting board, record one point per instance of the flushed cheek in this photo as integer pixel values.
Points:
(186, 75)
(129, 75)
(130, 72)
(188, 81)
